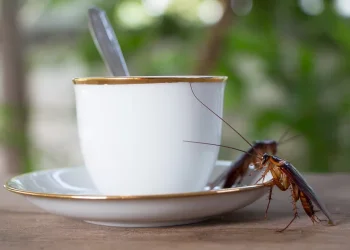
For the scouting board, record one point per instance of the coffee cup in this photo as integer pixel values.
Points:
(132, 132)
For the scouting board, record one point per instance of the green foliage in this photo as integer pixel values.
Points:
(13, 136)
(305, 58)
(299, 63)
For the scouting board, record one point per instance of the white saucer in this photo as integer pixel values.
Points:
(70, 192)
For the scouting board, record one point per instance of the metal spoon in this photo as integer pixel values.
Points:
(106, 42)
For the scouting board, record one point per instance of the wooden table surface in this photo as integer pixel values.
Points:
(24, 226)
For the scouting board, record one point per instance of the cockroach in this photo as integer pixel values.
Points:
(284, 176)
(238, 169)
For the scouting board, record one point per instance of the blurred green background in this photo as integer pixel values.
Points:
(287, 61)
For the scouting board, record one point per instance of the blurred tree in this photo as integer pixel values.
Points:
(287, 63)
(302, 58)
(14, 109)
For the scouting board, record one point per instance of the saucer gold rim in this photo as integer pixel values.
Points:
(147, 79)
(8, 187)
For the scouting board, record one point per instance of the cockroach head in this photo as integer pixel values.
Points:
(265, 158)
(267, 145)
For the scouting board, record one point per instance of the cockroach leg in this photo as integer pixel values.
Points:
(268, 204)
(295, 209)
(266, 171)
(280, 179)
(295, 216)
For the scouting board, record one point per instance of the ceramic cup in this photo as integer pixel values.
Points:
(132, 132)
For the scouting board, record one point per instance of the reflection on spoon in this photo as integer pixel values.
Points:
(107, 42)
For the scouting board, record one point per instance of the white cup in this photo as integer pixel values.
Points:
(132, 132)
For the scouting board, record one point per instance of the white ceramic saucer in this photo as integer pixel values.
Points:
(70, 192)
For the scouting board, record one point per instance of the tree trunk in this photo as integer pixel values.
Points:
(210, 54)
(13, 110)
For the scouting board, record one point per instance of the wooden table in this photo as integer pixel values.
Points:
(23, 226)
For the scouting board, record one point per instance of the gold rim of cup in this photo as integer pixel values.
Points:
(148, 79)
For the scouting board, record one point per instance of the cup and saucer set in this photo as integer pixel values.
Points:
(139, 171)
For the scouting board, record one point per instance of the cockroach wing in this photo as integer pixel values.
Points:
(299, 180)
(221, 178)
(233, 167)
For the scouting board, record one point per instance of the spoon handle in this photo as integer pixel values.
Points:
(107, 42)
